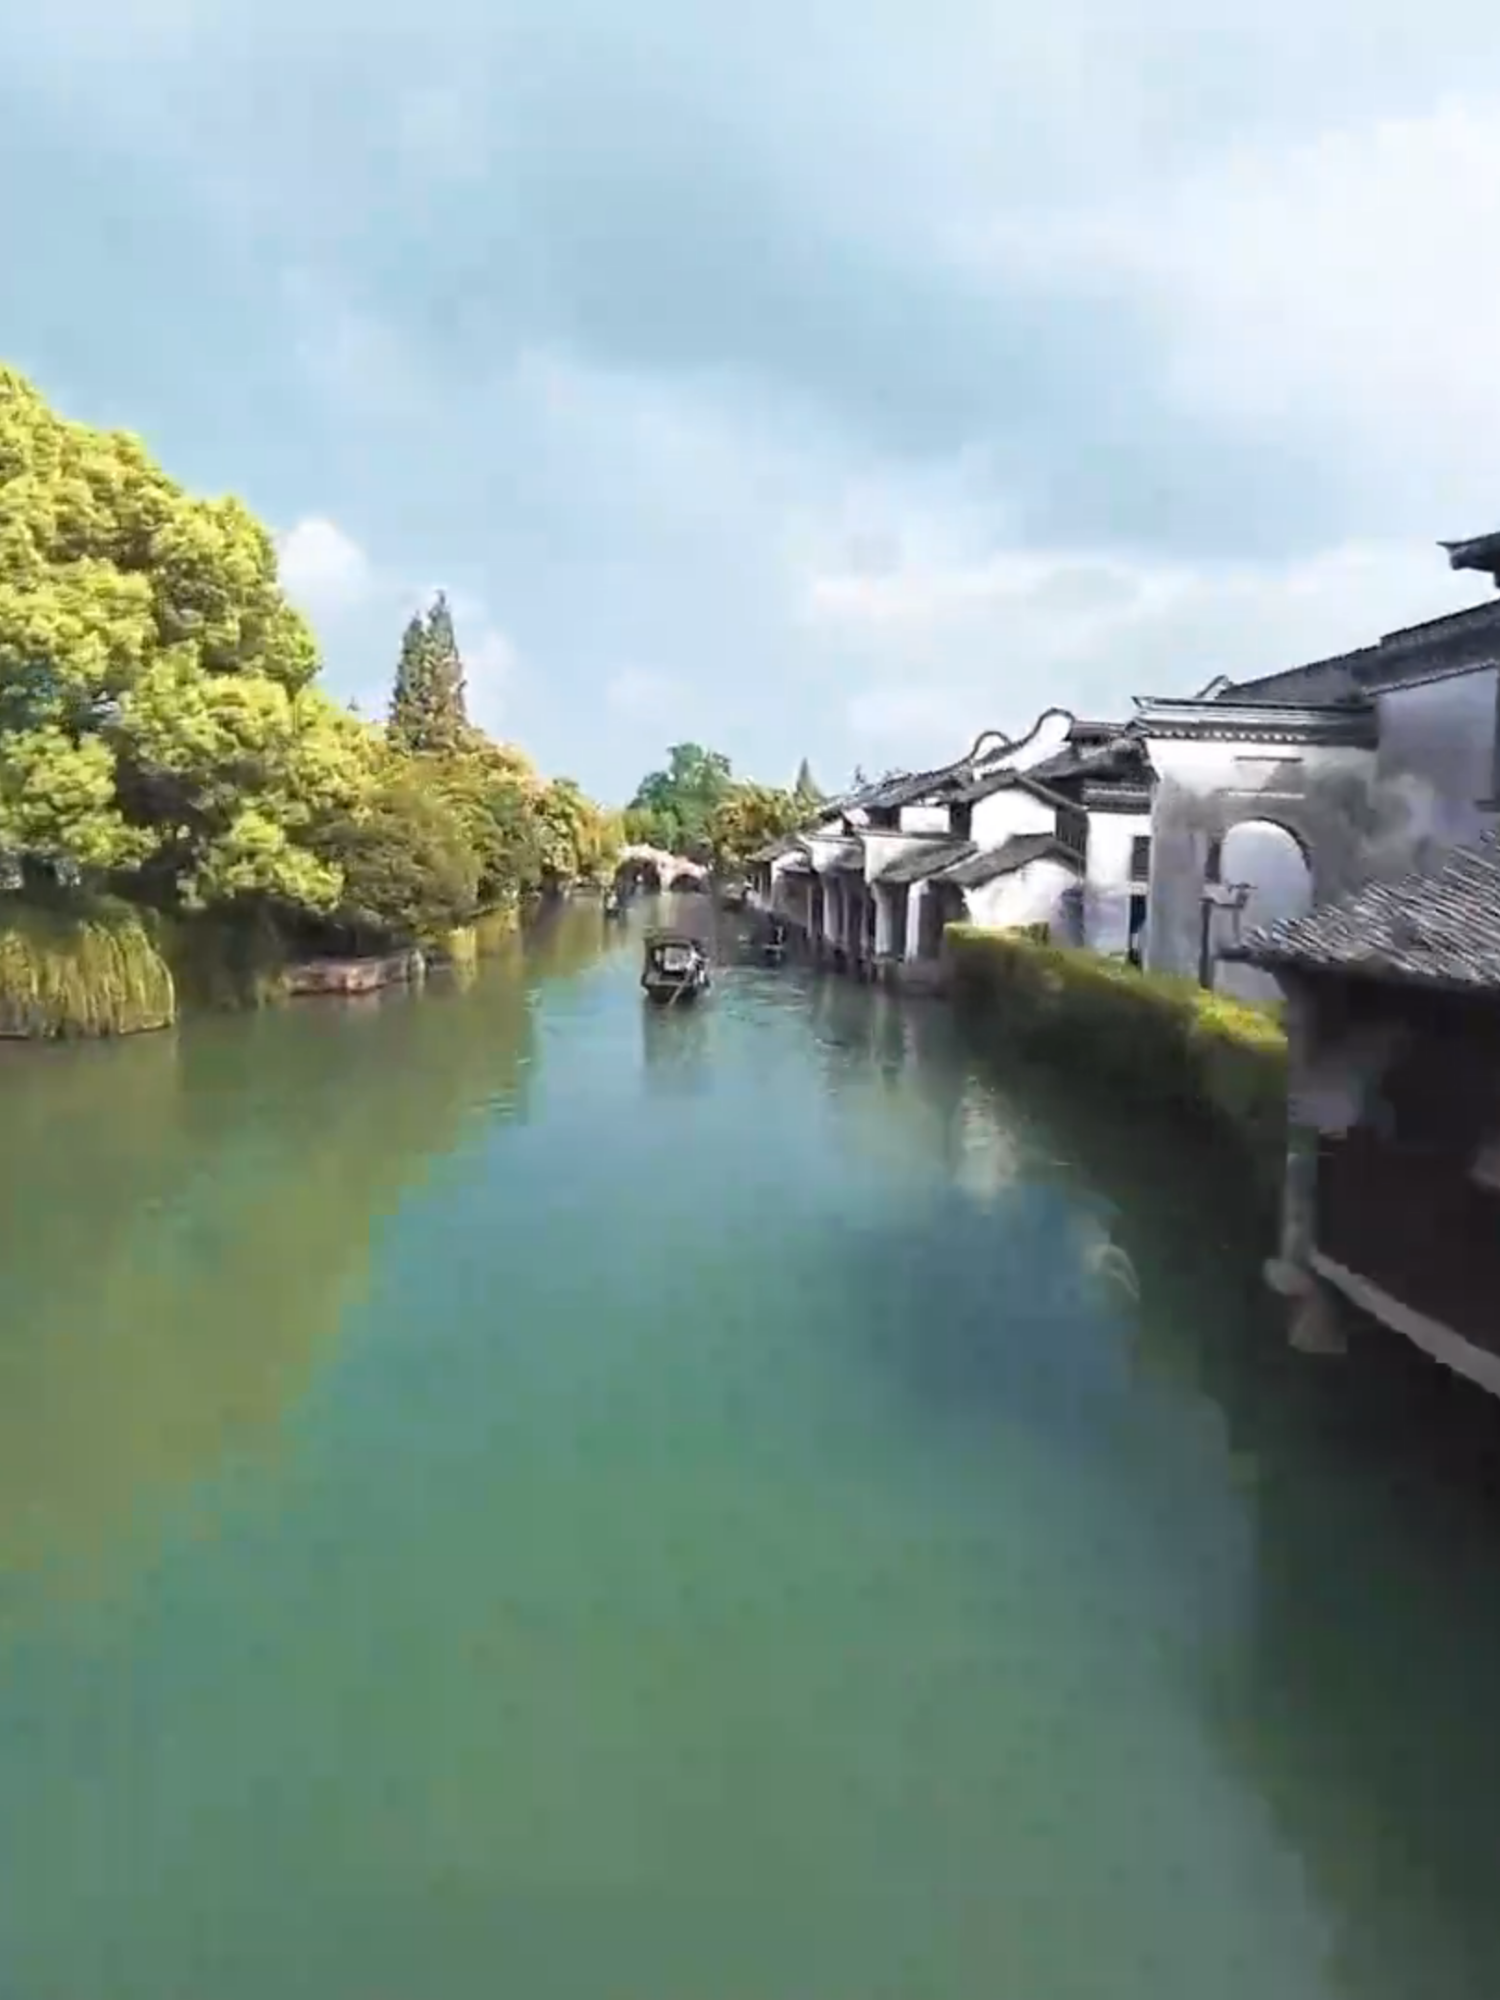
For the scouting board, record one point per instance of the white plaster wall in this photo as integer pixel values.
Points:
(1031, 895)
(924, 819)
(1201, 788)
(1435, 766)
(996, 818)
(1051, 735)
(1107, 884)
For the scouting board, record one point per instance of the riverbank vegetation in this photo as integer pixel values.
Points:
(696, 807)
(166, 747)
(1159, 1040)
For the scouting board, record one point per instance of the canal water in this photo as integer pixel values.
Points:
(505, 1492)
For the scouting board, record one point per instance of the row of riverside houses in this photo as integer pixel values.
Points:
(1324, 834)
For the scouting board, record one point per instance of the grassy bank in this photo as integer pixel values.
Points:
(95, 969)
(1164, 1042)
(103, 967)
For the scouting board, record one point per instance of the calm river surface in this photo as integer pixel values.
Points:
(503, 1493)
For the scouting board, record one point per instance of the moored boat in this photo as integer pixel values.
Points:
(675, 969)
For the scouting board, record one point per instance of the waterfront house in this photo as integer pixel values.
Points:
(1050, 830)
(1278, 793)
(1392, 1188)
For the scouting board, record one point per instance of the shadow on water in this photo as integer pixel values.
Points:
(184, 1219)
(676, 1048)
(1351, 1685)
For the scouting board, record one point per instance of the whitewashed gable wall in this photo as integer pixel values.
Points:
(1107, 883)
(1030, 895)
(1004, 813)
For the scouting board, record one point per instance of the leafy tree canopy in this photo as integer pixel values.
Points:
(697, 807)
(160, 724)
(674, 808)
(429, 711)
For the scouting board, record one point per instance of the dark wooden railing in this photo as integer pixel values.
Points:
(1410, 1220)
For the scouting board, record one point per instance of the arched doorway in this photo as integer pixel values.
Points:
(1267, 865)
(638, 877)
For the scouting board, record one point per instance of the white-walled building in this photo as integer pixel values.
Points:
(1279, 794)
(1003, 837)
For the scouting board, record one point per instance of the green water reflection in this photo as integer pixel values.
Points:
(504, 1492)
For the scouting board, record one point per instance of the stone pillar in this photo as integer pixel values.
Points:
(1312, 1320)
(916, 903)
(883, 920)
(832, 913)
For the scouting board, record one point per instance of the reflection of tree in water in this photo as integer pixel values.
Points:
(182, 1219)
(675, 1048)
(567, 936)
(1354, 1695)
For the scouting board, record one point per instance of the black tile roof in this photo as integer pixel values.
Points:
(1005, 859)
(1481, 552)
(1437, 928)
(928, 859)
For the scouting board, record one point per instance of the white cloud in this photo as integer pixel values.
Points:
(322, 569)
(947, 647)
(1337, 291)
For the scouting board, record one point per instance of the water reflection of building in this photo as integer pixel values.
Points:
(1348, 1683)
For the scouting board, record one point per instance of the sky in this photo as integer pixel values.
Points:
(836, 379)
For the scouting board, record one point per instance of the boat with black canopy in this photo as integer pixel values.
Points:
(675, 969)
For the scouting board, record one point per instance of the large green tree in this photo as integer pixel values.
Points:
(156, 714)
(675, 806)
(160, 726)
(748, 819)
(407, 872)
(429, 712)
(805, 787)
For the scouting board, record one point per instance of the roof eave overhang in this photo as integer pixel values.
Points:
(1340, 727)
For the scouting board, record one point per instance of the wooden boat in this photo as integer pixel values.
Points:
(676, 968)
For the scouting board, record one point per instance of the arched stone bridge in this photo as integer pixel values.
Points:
(668, 868)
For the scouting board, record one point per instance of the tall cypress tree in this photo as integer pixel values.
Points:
(805, 790)
(411, 696)
(448, 716)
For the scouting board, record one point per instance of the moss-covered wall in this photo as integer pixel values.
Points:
(1160, 1040)
(95, 969)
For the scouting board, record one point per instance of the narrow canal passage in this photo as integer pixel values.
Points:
(508, 1494)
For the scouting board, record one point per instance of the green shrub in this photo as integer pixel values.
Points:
(226, 959)
(87, 969)
(1159, 1039)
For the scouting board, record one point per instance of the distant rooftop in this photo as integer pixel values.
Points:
(1481, 552)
